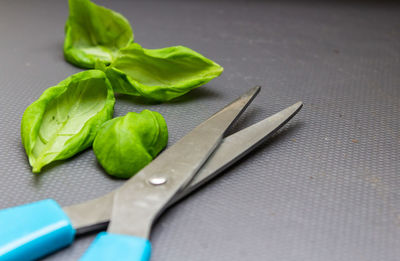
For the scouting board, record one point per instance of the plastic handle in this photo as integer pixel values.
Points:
(108, 246)
(30, 231)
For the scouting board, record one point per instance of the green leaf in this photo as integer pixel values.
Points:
(66, 117)
(160, 74)
(124, 145)
(94, 33)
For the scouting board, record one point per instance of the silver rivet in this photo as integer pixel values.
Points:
(158, 181)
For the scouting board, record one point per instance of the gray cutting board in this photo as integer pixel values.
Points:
(325, 188)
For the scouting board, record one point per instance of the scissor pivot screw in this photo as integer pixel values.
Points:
(158, 181)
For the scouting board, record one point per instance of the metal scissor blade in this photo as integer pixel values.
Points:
(238, 145)
(142, 198)
(95, 214)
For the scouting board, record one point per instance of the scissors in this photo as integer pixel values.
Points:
(127, 214)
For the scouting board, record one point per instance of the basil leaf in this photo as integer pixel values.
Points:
(124, 145)
(66, 117)
(93, 32)
(160, 74)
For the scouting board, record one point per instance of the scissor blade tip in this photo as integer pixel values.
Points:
(256, 88)
(298, 105)
(253, 91)
(292, 109)
(249, 95)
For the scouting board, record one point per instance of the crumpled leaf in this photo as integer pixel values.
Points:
(160, 74)
(66, 117)
(124, 145)
(94, 33)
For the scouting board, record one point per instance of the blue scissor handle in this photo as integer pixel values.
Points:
(30, 231)
(108, 246)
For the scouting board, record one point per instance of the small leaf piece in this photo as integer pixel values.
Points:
(66, 117)
(94, 33)
(160, 74)
(124, 145)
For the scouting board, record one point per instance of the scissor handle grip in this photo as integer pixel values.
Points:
(30, 231)
(108, 246)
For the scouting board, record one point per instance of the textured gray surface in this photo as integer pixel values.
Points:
(325, 188)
